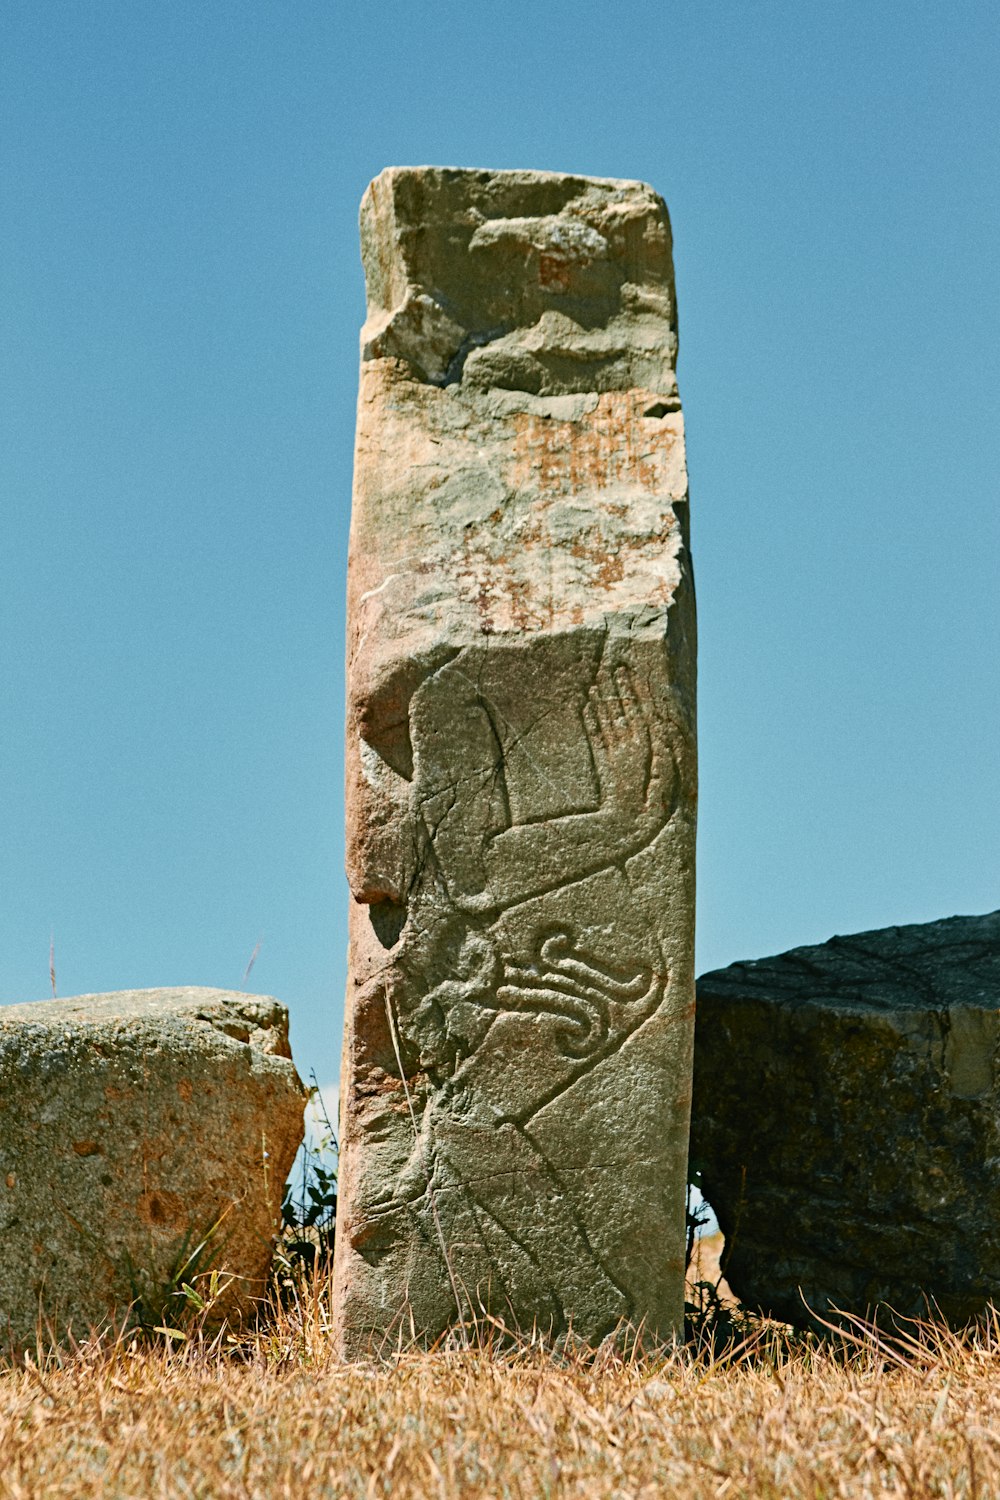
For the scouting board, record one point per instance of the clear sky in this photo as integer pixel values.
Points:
(181, 295)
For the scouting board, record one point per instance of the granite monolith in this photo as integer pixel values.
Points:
(521, 773)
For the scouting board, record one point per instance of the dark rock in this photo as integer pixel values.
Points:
(846, 1121)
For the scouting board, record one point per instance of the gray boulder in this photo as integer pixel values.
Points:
(846, 1121)
(134, 1129)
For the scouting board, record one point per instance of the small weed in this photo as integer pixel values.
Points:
(172, 1306)
(309, 1206)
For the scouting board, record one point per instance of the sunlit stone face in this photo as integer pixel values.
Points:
(521, 766)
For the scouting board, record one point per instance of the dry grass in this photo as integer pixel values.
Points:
(276, 1416)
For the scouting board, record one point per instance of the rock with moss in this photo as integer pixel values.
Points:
(846, 1121)
(145, 1138)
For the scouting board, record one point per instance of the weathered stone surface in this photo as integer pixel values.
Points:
(846, 1120)
(130, 1125)
(521, 765)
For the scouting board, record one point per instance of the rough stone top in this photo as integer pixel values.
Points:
(530, 281)
(258, 1020)
(925, 966)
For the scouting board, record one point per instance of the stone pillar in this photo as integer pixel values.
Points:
(521, 776)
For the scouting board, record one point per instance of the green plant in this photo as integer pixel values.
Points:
(171, 1305)
(168, 1304)
(309, 1205)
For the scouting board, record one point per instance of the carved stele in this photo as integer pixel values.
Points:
(521, 766)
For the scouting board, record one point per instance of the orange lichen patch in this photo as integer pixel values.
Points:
(155, 1148)
(553, 272)
(10, 1179)
(377, 1083)
(160, 1209)
(514, 566)
(615, 444)
(378, 1092)
(608, 569)
(86, 1148)
(184, 1089)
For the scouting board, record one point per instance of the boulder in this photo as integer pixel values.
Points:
(145, 1139)
(846, 1121)
(520, 766)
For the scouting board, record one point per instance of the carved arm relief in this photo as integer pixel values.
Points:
(490, 863)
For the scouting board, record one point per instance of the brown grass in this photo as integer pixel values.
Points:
(274, 1415)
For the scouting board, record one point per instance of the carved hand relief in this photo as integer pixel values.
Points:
(517, 800)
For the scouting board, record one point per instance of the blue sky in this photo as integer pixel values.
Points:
(180, 295)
